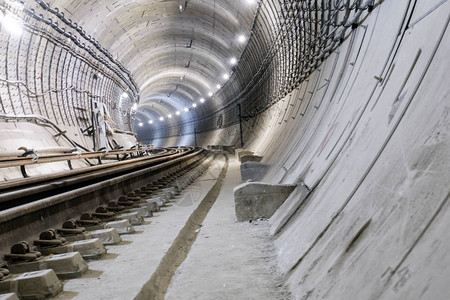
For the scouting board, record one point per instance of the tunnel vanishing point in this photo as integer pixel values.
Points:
(258, 149)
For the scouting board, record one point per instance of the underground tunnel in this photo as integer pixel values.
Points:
(224, 149)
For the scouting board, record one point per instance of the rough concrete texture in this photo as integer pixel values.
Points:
(253, 171)
(229, 260)
(9, 296)
(242, 152)
(251, 158)
(374, 158)
(67, 265)
(254, 200)
(32, 285)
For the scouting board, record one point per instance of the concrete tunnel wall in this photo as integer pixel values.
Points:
(365, 137)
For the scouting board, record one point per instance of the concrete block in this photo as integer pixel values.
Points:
(9, 296)
(241, 152)
(122, 226)
(253, 171)
(91, 248)
(152, 206)
(108, 236)
(32, 285)
(157, 201)
(144, 211)
(66, 265)
(250, 158)
(255, 200)
(135, 218)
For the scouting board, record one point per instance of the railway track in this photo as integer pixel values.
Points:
(31, 205)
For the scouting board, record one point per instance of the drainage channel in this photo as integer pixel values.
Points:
(79, 256)
(157, 286)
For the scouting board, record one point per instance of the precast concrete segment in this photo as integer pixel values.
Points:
(139, 254)
(157, 286)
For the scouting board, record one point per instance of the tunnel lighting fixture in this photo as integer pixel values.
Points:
(161, 118)
(251, 1)
(186, 109)
(150, 121)
(178, 113)
(169, 116)
(210, 94)
(241, 38)
(141, 124)
(226, 76)
(12, 25)
(218, 86)
(125, 95)
(202, 100)
(194, 105)
(233, 61)
(134, 107)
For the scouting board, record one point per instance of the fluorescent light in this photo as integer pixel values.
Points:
(150, 121)
(186, 109)
(134, 107)
(178, 113)
(194, 105)
(202, 100)
(226, 76)
(141, 124)
(12, 25)
(241, 38)
(210, 94)
(233, 61)
(218, 86)
(161, 118)
(124, 95)
(169, 116)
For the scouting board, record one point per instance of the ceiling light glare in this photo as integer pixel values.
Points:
(233, 61)
(202, 100)
(251, 1)
(178, 113)
(16, 5)
(186, 109)
(218, 86)
(226, 76)
(12, 25)
(125, 95)
(242, 38)
(161, 118)
(169, 116)
(141, 124)
(210, 94)
(134, 107)
(150, 121)
(194, 105)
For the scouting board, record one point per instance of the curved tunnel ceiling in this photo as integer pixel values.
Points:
(178, 51)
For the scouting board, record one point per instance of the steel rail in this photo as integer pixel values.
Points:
(23, 192)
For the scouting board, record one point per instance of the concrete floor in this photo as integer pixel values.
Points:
(228, 259)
